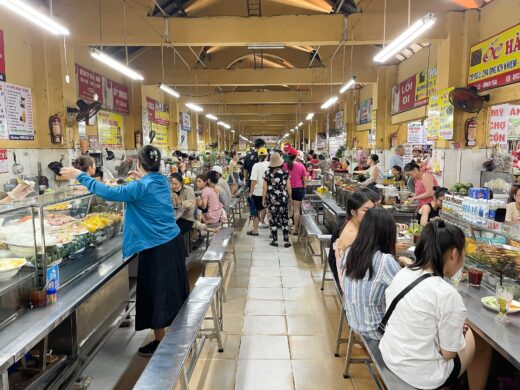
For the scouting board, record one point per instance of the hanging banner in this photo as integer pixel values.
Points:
(113, 95)
(363, 112)
(496, 61)
(157, 112)
(110, 129)
(339, 121)
(161, 135)
(414, 91)
(408, 153)
(16, 112)
(513, 131)
(440, 116)
(2, 57)
(185, 121)
(183, 144)
(373, 128)
(415, 133)
(498, 124)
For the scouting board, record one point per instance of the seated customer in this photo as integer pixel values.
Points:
(223, 196)
(431, 210)
(212, 211)
(367, 269)
(427, 342)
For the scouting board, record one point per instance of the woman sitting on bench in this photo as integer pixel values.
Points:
(427, 342)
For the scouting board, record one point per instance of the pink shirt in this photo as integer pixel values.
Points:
(214, 206)
(297, 174)
(421, 189)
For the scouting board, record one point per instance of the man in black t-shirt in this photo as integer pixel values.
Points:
(250, 160)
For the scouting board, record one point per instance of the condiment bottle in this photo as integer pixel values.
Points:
(52, 295)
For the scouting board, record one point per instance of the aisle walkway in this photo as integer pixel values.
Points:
(279, 330)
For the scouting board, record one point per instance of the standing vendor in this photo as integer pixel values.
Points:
(423, 183)
(372, 172)
(513, 208)
(149, 230)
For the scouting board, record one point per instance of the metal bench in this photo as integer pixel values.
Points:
(235, 210)
(308, 209)
(312, 229)
(222, 243)
(167, 365)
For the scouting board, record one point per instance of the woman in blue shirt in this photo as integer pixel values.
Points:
(150, 231)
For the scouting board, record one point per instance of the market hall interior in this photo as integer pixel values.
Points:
(104, 78)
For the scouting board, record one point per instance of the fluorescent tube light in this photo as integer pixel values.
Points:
(114, 64)
(194, 107)
(169, 91)
(224, 124)
(406, 38)
(292, 130)
(35, 16)
(232, 131)
(211, 117)
(347, 85)
(266, 46)
(286, 135)
(329, 102)
(300, 124)
(310, 115)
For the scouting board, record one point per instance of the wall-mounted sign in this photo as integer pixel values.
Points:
(504, 123)
(496, 61)
(415, 133)
(16, 113)
(373, 129)
(339, 121)
(110, 129)
(183, 144)
(185, 121)
(113, 95)
(161, 135)
(2, 57)
(414, 91)
(440, 116)
(364, 112)
(4, 167)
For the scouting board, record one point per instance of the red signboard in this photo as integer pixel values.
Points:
(157, 112)
(2, 57)
(113, 95)
(414, 91)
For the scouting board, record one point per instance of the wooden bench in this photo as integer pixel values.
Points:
(222, 243)
(167, 366)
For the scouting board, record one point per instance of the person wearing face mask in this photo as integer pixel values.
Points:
(426, 341)
(151, 232)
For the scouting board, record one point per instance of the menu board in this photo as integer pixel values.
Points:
(414, 91)
(339, 121)
(364, 112)
(415, 133)
(161, 135)
(2, 57)
(504, 123)
(185, 121)
(440, 116)
(16, 113)
(110, 129)
(496, 61)
(113, 95)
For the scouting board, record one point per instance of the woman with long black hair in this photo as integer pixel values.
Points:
(367, 269)
(150, 231)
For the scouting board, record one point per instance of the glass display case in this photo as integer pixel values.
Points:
(50, 240)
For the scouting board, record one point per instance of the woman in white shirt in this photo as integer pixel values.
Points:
(373, 173)
(427, 342)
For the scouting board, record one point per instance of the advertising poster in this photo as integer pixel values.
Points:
(498, 124)
(513, 131)
(183, 144)
(415, 133)
(185, 121)
(339, 121)
(161, 135)
(16, 106)
(408, 153)
(363, 112)
(4, 166)
(157, 112)
(496, 61)
(440, 116)
(414, 91)
(110, 129)
(2, 57)
(3, 113)
(113, 95)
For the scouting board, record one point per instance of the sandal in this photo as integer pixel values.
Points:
(273, 243)
(286, 244)
(252, 233)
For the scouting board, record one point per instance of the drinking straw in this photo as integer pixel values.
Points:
(501, 277)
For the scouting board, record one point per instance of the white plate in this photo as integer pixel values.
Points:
(491, 303)
(8, 274)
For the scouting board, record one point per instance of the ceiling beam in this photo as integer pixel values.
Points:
(271, 97)
(249, 109)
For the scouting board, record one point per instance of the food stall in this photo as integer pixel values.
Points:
(63, 284)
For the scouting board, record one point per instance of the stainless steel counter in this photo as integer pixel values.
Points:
(505, 338)
(23, 334)
(330, 202)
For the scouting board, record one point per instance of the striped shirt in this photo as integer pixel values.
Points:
(364, 299)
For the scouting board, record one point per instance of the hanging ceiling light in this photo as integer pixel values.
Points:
(300, 124)
(224, 124)
(169, 91)
(348, 84)
(114, 64)
(194, 107)
(211, 117)
(31, 14)
(286, 135)
(232, 131)
(329, 102)
(406, 38)
(292, 130)
(310, 115)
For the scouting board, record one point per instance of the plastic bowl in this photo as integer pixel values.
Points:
(8, 273)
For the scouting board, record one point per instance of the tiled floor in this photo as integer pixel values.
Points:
(279, 329)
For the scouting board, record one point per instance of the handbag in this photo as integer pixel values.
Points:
(382, 325)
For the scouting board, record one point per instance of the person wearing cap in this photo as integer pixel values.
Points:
(255, 192)
(251, 159)
(298, 176)
(276, 196)
(221, 182)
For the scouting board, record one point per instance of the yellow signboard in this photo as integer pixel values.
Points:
(440, 116)
(496, 61)
(161, 135)
(110, 129)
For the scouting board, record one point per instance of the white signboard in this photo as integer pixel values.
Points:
(498, 124)
(415, 133)
(408, 153)
(18, 105)
(183, 144)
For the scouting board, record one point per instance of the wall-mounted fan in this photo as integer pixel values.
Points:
(467, 99)
(85, 111)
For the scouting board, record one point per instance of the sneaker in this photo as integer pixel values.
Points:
(148, 349)
(252, 233)
(286, 244)
(262, 225)
(273, 243)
